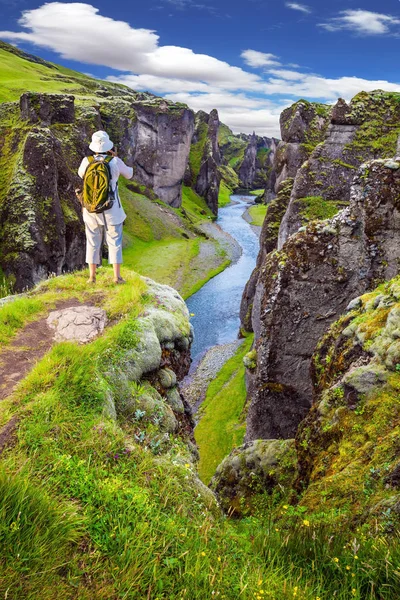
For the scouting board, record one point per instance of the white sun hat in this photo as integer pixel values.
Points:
(101, 142)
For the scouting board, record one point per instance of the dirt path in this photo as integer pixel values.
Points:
(28, 347)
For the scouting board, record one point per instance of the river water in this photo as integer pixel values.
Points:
(216, 305)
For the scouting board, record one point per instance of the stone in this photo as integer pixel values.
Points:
(47, 109)
(354, 304)
(366, 378)
(257, 468)
(174, 400)
(78, 324)
(167, 378)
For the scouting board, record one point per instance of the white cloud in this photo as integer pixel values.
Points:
(253, 58)
(78, 32)
(296, 6)
(286, 74)
(246, 101)
(363, 22)
(326, 89)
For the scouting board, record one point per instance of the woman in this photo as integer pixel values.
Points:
(110, 221)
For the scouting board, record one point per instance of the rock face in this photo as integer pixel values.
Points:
(250, 157)
(80, 323)
(303, 126)
(347, 447)
(365, 129)
(268, 242)
(256, 169)
(42, 142)
(307, 285)
(204, 160)
(161, 141)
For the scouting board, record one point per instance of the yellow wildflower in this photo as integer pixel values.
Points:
(355, 557)
(285, 506)
(347, 568)
(306, 523)
(260, 582)
(203, 553)
(219, 559)
(336, 560)
(354, 591)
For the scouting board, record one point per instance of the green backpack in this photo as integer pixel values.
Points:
(98, 195)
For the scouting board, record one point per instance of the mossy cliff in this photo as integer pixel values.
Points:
(364, 129)
(246, 159)
(306, 286)
(343, 467)
(202, 172)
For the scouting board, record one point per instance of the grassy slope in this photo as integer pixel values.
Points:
(90, 508)
(258, 214)
(18, 75)
(161, 242)
(222, 424)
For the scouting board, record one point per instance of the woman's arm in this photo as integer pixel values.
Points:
(124, 170)
(83, 167)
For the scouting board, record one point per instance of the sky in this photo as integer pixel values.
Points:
(249, 59)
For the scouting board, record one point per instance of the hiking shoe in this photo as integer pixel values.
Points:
(91, 280)
(119, 280)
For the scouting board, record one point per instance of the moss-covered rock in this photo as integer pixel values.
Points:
(252, 470)
(348, 445)
(366, 128)
(304, 287)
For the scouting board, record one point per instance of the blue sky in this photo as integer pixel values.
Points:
(248, 59)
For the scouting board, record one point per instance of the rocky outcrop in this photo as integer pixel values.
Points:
(307, 285)
(255, 171)
(43, 140)
(40, 219)
(367, 128)
(202, 171)
(303, 126)
(247, 171)
(347, 446)
(268, 242)
(251, 157)
(161, 141)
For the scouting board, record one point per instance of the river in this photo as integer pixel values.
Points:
(216, 305)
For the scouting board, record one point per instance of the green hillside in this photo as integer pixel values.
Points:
(20, 72)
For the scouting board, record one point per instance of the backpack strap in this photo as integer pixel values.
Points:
(90, 159)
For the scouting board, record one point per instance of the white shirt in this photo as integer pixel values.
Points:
(116, 214)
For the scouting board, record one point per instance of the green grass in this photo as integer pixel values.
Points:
(163, 243)
(257, 192)
(316, 208)
(92, 508)
(18, 76)
(222, 424)
(258, 214)
(224, 197)
(16, 314)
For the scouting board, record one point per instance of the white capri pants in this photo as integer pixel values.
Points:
(94, 237)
